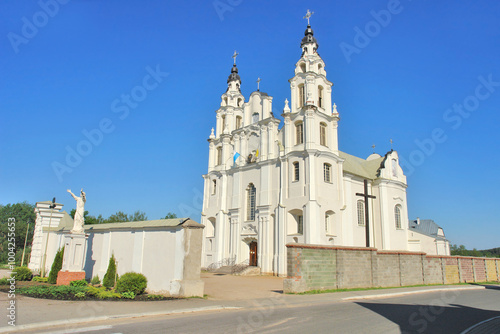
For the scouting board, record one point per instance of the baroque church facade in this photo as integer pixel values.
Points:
(268, 186)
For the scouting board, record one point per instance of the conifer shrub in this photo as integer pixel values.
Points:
(132, 282)
(56, 266)
(95, 280)
(110, 277)
(22, 274)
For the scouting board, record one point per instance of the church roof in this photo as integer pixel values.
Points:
(427, 227)
(141, 224)
(365, 168)
(66, 221)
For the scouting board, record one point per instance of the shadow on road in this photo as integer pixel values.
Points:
(435, 318)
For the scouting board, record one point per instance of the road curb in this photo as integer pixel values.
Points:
(75, 321)
(404, 293)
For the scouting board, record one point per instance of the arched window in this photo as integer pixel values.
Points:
(322, 134)
(251, 202)
(296, 171)
(320, 97)
(300, 224)
(397, 216)
(240, 101)
(361, 213)
(301, 95)
(214, 187)
(219, 155)
(303, 67)
(327, 172)
(299, 133)
(238, 122)
(327, 223)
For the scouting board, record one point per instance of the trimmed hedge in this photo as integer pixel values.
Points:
(132, 282)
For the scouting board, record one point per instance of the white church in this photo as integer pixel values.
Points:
(268, 186)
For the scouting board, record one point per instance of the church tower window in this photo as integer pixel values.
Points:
(397, 216)
(361, 213)
(296, 171)
(302, 95)
(299, 133)
(251, 202)
(219, 155)
(327, 172)
(238, 122)
(322, 134)
(303, 67)
(223, 122)
(214, 187)
(320, 97)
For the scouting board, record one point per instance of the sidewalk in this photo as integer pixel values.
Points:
(225, 292)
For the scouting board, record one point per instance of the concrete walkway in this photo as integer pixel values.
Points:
(224, 292)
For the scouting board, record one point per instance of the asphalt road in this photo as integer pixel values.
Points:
(440, 312)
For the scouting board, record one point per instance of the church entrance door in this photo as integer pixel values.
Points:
(253, 254)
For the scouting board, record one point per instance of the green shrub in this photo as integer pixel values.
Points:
(128, 295)
(81, 282)
(22, 274)
(80, 295)
(107, 294)
(40, 279)
(154, 297)
(56, 266)
(132, 282)
(51, 292)
(3, 281)
(95, 280)
(110, 277)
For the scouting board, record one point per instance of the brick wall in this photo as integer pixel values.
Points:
(433, 270)
(331, 267)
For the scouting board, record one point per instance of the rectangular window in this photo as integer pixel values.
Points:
(320, 97)
(251, 203)
(300, 224)
(361, 213)
(238, 122)
(322, 134)
(301, 96)
(296, 171)
(219, 156)
(327, 173)
(299, 132)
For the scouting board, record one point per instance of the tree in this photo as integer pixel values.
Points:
(138, 216)
(56, 266)
(118, 217)
(95, 220)
(110, 277)
(22, 213)
(170, 215)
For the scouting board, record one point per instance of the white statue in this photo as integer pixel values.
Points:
(78, 219)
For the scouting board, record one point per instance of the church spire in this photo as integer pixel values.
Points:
(234, 80)
(309, 39)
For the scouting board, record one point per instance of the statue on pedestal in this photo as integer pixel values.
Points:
(78, 219)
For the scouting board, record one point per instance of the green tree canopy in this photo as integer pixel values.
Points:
(22, 213)
(170, 215)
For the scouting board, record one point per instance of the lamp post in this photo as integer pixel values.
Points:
(52, 206)
(25, 240)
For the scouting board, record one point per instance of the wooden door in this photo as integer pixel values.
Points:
(253, 254)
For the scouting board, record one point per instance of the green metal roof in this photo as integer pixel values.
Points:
(137, 225)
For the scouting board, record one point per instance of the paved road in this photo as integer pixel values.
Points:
(437, 312)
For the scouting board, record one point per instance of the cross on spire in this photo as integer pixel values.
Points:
(258, 84)
(373, 147)
(308, 17)
(235, 54)
(391, 143)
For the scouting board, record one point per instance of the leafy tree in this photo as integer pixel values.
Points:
(170, 215)
(23, 213)
(95, 220)
(110, 277)
(56, 266)
(138, 216)
(118, 217)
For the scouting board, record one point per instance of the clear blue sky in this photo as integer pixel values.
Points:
(67, 72)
